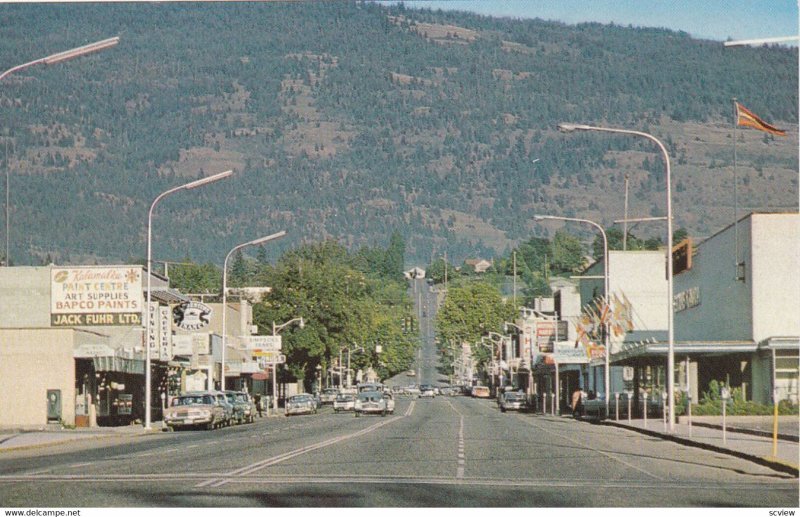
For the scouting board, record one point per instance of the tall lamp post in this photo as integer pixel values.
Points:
(187, 186)
(49, 60)
(275, 330)
(225, 291)
(607, 376)
(568, 128)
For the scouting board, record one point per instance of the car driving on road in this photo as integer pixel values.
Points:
(300, 404)
(370, 402)
(344, 402)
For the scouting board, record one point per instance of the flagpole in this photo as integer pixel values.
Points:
(735, 194)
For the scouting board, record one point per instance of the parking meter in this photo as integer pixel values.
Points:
(724, 394)
(616, 406)
(664, 408)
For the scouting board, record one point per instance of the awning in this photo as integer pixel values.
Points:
(167, 295)
(260, 376)
(119, 364)
(659, 348)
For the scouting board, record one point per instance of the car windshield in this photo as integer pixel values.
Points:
(514, 396)
(194, 400)
(299, 398)
(344, 398)
(370, 396)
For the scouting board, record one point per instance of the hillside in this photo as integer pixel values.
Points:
(348, 121)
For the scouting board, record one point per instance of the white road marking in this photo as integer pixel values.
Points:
(249, 469)
(410, 408)
(786, 483)
(460, 469)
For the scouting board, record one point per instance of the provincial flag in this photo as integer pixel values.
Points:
(745, 117)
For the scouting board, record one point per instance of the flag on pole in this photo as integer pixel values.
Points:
(745, 117)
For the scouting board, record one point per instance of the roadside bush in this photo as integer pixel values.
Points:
(711, 404)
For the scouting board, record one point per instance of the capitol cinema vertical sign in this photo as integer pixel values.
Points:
(88, 296)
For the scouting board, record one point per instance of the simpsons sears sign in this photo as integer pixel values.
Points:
(88, 296)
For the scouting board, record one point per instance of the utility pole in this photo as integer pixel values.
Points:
(515, 280)
(625, 224)
(445, 270)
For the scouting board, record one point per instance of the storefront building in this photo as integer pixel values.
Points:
(737, 308)
(72, 344)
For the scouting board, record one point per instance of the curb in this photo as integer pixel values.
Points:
(76, 440)
(773, 463)
(744, 430)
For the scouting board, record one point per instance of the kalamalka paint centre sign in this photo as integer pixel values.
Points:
(88, 296)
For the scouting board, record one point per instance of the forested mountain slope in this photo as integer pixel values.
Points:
(349, 121)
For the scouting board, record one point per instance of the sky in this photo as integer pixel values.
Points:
(704, 19)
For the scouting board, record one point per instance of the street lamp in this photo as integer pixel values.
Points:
(225, 291)
(275, 330)
(568, 128)
(49, 60)
(187, 186)
(606, 377)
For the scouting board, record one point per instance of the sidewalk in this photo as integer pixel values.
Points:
(16, 439)
(706, 433)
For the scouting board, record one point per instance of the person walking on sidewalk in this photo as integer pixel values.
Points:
(577, 403)
(259, 405)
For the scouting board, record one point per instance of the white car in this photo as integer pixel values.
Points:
(389, 398)
(412, 390)
(370, 402)
(344, 402)
(427, 391)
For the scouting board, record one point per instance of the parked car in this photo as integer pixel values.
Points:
(244, 409)
(370, 402)
(513, 400)
(227, 406)
(328, 395)
(197, 410)
(303, 403)
(481, 392)
(344, 402)
(389, 398)
(411, 373)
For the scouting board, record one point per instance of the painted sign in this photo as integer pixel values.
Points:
(547, 332)
(165, 331)
(93, 350)
(188, 344)
(87, 296)
(261, 342)
(191, 316)
(686, 299)
(568, 353)
(154, 329)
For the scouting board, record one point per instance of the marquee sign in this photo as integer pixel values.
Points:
(191, 316)
(88, 296)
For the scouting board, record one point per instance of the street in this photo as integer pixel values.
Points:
(447, 451)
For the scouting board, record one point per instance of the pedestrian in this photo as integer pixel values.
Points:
(259, 405)
(577, 405)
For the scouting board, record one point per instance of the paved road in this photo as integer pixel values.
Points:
(441, 452)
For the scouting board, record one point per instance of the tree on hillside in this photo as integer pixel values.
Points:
(471, 311)
(195, 278)
(341, 307)
(395, 256)
(567, 253)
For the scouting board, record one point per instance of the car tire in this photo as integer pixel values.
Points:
(383, 413)
(502, 410)
(356, 413)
